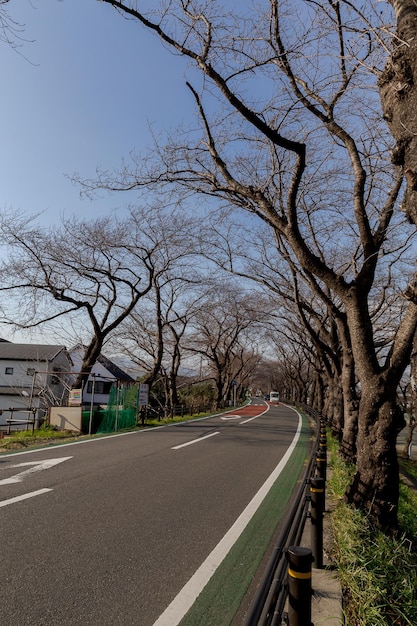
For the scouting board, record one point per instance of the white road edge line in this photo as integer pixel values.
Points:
(250, 419)
(190, 443)
(25, 496)
(105, 437)
(181, 604)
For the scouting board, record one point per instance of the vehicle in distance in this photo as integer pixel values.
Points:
(274, 396)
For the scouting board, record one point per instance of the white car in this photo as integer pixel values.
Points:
(274, 397)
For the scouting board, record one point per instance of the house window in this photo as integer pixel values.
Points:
(8, 370)
(30, 371)
(100, 386)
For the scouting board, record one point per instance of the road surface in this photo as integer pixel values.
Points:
(109, 531)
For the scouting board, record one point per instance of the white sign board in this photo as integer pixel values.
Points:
(143, 394)
(75, 397)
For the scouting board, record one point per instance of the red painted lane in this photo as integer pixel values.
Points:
(251, 410)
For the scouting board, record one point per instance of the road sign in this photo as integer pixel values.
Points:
(143, 398)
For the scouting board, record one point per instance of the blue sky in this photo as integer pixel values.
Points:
(80, 91)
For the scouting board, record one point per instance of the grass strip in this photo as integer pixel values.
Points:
(378, 573)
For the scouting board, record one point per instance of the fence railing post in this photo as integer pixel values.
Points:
(9, 421)
(321, 461)
(299, 586)
(317, 495)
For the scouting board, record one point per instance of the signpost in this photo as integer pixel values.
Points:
(143, 398)
(143, 401)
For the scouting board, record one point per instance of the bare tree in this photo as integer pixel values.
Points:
(10, 30)
(153, 336)
(301, 301)
(94, 271)
(220, 334)
(296, 151)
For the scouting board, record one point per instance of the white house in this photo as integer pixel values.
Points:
(103, 375)
(32, 378)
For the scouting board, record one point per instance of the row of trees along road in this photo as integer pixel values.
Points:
(138, 285)
(292, 131)
(307, 131)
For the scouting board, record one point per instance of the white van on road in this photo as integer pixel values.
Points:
(274, 396)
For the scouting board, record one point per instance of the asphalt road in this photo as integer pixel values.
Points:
(109, 531)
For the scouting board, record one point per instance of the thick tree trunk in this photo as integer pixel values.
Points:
(332, 410)
(350, 409)
(350, 433)
(91, 354)
(376, 484)
(375, 488)
(318, 393)
(398, 89)
(219, 391)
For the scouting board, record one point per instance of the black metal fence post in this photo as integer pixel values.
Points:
(299, 586)
(317, 495)
(321, 464)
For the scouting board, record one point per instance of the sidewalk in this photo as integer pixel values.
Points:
(326, 607)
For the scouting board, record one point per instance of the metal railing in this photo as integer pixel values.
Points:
(29, 420)
(267, 608)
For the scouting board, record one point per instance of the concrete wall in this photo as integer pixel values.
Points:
(66, 417)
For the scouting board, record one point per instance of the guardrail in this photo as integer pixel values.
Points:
(287, 576)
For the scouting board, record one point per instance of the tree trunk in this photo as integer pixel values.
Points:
(91, 354)
(375, 488)
(412, 403)
(219, 391)
(350, 409)
(398, 90)
(173, 375)
(376, 484)
(337, 391)
(318, 393)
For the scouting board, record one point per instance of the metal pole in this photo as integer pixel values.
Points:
(93, 385)
(32, 389)
(11, 409)
(117, 407)
(299, 586)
